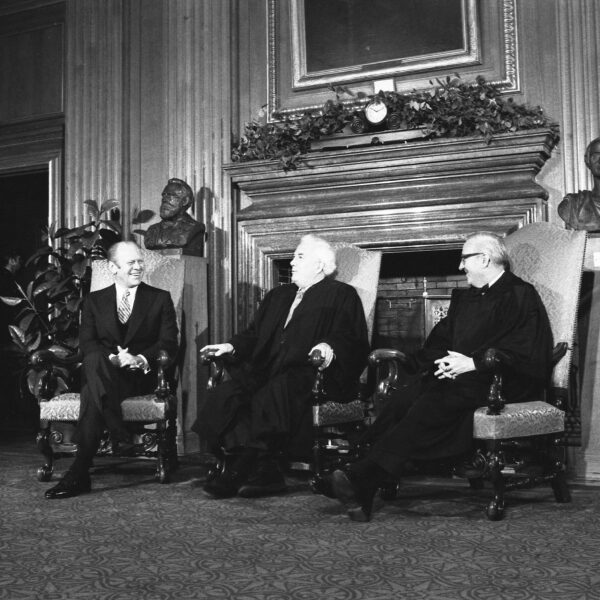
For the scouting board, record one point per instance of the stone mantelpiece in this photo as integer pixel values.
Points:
(399, 197)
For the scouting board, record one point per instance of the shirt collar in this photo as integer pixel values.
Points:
(121, 292)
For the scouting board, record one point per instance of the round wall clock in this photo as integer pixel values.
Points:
(375, 112)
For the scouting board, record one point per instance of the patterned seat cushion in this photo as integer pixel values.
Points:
(334, 413)
(65, 407)
(519, 419)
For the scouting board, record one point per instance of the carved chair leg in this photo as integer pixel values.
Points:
(171, 442)
(558, 469)
(560, 487)
(44, 473)
(495, 508)
(162, 473)
(318, 483)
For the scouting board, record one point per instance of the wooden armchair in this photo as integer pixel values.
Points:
(152, 418)
(521, 445)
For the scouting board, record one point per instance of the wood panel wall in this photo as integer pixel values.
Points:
(31, 62)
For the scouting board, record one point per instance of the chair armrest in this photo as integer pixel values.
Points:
(163, 389)
(44, 359)
(391, 359)
(495, 360)
(216, 368)
(49, 372)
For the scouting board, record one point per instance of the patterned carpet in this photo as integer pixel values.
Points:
(132, 538)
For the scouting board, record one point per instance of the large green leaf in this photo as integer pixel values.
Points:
(11, 300)
(18, 337)
(93, 210)
(108, 205)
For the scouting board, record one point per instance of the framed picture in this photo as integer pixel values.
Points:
(315, 46)
(341, 41)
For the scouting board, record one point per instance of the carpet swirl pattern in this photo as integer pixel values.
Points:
(132, 538)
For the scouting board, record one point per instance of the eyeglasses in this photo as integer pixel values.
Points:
(464, 257)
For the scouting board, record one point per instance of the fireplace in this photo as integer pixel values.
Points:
(414, 201)
(409, 198)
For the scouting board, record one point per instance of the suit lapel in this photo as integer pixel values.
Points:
(109, 298)
(140, 308)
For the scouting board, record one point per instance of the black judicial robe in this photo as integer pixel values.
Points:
(433, 418)
(270, 389)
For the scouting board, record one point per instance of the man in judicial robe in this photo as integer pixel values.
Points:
(266, 406)
(433, 418)
(123, 329)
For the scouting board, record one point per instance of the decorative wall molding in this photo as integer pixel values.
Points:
(38, 144)
(402, 197)
(578, 24)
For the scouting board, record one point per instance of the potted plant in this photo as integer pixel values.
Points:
(50, 303)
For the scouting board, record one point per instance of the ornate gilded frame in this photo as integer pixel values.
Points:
(469, 54)
(496, 34)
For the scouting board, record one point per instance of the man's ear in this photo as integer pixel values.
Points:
(112, 267)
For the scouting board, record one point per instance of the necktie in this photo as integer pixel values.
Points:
(124, 309)
(295, 303)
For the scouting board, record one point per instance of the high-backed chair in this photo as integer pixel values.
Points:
(521, 444)
(152, 417)
(334, 422)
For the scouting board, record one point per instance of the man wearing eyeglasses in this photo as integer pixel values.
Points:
(432, 418)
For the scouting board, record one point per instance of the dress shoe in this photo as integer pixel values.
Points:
(266, 480)
(225, 485)
(70, 485)
(359, 498)
(124, 449)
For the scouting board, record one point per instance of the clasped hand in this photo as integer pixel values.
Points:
(453, 364)
(125, 360)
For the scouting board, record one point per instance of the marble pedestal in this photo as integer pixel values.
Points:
(584, 461)
(194, 334)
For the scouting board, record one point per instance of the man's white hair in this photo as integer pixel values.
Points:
(493, 245)
(322, 248)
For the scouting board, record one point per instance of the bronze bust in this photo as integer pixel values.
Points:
(177, 228)
(581, 210)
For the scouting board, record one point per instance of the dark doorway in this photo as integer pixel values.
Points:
(23, 210)
(24, 199)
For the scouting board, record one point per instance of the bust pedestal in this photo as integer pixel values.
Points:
(192, 377)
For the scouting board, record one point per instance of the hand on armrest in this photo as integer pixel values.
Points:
(321, 355)
(214, 350)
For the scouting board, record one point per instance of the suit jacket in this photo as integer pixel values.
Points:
(152, 325)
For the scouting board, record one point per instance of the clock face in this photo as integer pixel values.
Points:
(375, 112)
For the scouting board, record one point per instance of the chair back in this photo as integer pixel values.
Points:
(551, 259)
(164, 272)
(360, 269)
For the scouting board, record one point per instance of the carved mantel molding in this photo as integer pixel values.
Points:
(401, 197)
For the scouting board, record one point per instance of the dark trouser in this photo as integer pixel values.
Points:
(104, 386)
(270, 418)
(429, 422)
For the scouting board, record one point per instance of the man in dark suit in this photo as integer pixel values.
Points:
(266, 406)
(123, 329)
(433, 418)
